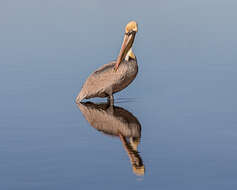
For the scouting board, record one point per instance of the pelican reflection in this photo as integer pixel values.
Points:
(117, 121)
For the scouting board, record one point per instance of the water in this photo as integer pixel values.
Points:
(184, 97)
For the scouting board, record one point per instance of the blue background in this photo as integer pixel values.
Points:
(184, 95)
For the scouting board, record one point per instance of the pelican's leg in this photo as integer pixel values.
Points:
(111, 99)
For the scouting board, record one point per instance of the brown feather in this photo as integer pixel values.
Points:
(105, 81)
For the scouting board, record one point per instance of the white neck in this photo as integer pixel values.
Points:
(129, 54)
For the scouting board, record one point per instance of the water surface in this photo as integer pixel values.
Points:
(184, 97)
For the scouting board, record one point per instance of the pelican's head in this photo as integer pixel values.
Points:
(129, 36)
(131, 27)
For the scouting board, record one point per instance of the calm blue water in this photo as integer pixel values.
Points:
(184, 96)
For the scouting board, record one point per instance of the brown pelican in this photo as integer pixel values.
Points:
(116, 75)
(117, 121)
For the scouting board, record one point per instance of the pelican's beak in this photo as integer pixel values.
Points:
(126, 45)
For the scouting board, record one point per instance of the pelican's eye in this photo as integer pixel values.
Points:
(130, 32)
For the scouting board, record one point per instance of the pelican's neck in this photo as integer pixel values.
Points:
(130, 54)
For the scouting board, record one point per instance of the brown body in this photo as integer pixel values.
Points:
(105, 81)
(116, 121)
(115, 76)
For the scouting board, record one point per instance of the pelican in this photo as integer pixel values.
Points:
(116, 121)
(116, 75)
